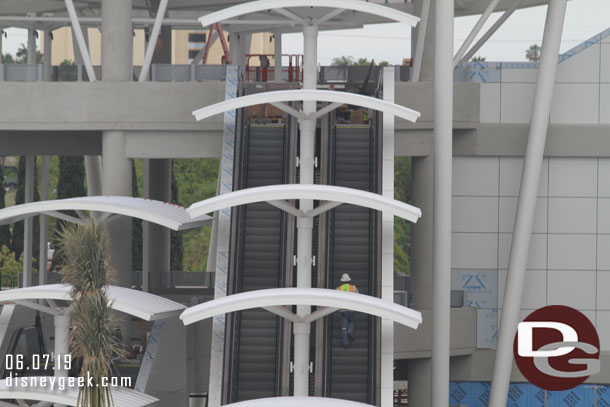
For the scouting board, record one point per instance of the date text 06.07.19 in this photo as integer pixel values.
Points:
(19, 362)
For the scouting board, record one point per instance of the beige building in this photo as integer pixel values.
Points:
(185, 45)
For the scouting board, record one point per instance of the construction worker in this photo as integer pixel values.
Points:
(347, 323)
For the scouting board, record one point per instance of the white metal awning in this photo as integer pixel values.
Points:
(277, 194)
(122, 396)
(298, 402)
(353, 5)
(162, 213)
(148, 307)
(308, 95)
(275, 299)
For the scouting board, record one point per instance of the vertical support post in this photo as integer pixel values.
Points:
(526, 205)
(28, 232)
(157, 186)
(44, 222)
(443, 156)
(421, 40)
(305, 226)
(279, 75)
(62, 334)
(387, 246)
(47, 66)
(31, 57)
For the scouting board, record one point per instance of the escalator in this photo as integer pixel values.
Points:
(259, 245)
(352, 234)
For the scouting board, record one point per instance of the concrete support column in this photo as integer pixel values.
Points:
(420, 382)
(156, 248)
(420, 290)
(117, 60)
(443, 156)
(62, 346)
(117, 181)
(44, 222)
(28, 230)
(93, 168)
(31, 57)
(62, 342)
(1, 51)
(117, 40)
(47, 66)
(526, 205)
(278, 56)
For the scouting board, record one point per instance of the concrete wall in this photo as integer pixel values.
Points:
(568, 261)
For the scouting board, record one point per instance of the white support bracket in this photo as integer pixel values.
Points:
(40, 307)
(328, 16)
(291, 15)
(287, 207)
(284, 312)
(325, 110)
(290, 110)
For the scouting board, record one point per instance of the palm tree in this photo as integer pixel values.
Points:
(343, 61)
(533, 53)
(86, 268)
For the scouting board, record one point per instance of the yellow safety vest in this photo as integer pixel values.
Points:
(347, 287)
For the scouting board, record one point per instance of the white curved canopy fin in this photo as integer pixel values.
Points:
(305, 191)
(162, 213)
(308, 95)
(298, 402)
(40, 389)
(263, 5)
(148, 307)
(303, 296)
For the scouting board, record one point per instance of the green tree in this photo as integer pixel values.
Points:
(197, 180)
(5, 230)
(17, 238)
(176, 247)
(136, 226)
(533, 53)
(70, 184)
(478, 59)
(402, 228)
(22, 56)
(87, 269)
(9, 267)
(343, 61)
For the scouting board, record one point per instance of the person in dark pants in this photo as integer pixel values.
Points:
(349, 319)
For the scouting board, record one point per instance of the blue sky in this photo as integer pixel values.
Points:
(392, 42)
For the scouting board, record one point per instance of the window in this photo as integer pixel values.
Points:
(193, 53)
(197, 37)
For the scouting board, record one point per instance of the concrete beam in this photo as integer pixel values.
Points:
(107, 106)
